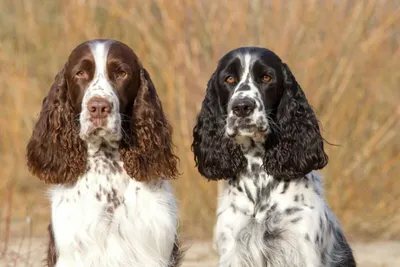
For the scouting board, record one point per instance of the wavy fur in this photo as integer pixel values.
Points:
(297, 148)
(55, 153)
(216, 155)
(147, 146)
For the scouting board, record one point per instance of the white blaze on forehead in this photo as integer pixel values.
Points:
(246, 63)
(100, 85)
(100, 52)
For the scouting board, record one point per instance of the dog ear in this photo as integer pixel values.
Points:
(55, 153)
(216, 156)
(147, 146)
(298, 148)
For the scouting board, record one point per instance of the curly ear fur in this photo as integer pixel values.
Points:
(55, 153)
(297, 147)
(216, 156)
(146, 149)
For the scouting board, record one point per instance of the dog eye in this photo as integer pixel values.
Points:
(230, 79)
(121, 74)
(81, 74)
(266, 78)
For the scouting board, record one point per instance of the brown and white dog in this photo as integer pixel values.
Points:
(104, 143)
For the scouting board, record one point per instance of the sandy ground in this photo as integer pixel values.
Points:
(201, 254)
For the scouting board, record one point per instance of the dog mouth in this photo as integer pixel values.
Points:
(101, 128)
(246, 127)
(98, 123)
(98, 131)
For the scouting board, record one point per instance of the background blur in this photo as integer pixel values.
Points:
(345, 55)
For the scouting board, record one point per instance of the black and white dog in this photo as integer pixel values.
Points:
(257, 130)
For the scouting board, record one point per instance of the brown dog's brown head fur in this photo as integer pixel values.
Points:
(57, 152)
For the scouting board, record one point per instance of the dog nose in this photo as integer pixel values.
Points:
(243, 107)
(98, 107)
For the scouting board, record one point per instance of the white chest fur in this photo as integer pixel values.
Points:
(264, 222)
(109, 219)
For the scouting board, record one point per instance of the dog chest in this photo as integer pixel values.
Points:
(109, 220)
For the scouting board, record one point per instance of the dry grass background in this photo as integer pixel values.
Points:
(345, 54)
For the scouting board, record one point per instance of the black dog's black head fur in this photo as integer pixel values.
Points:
(293, 143)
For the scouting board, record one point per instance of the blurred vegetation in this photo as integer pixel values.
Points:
(345, 54)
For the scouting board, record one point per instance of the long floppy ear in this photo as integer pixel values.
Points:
(216, 156)
(146, 149)
(296, 148)
(55, 153)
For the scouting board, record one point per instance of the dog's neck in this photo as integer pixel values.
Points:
(251, 147)
(250, 188)
(103, 156)
(99, 145)
(253, 151)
